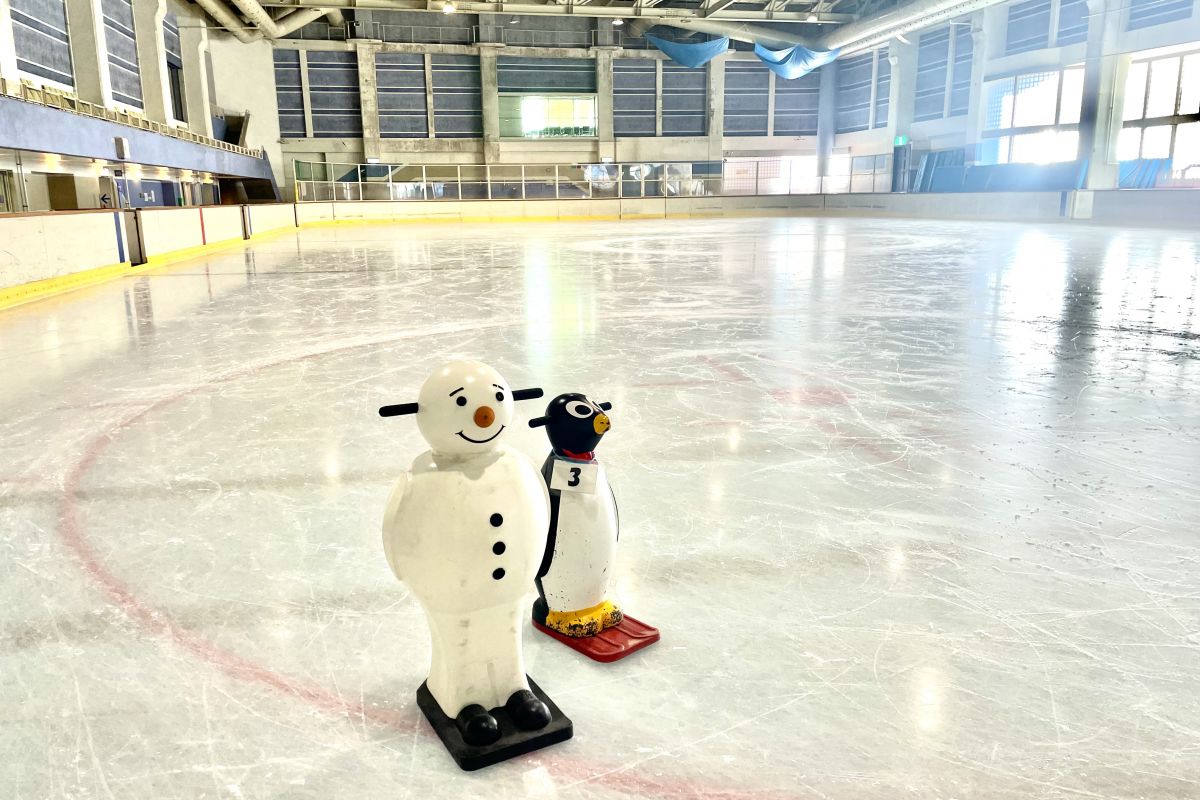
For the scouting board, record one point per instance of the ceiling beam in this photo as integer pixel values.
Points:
(553, 10)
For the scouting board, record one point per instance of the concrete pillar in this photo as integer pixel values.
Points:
(193, 43)
(8, 49)
(368, 94)
(826, 118)
(489, 83)
(902, 90)
(1103, 93)
(305, 97)
(606, 142)
(976, 102)
(715, 108)
(147, 29)
(430, 115)
(89, 56)
(658, 103)
(770, 103)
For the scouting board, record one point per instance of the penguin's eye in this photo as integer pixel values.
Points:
(462, 401)
(579, 409)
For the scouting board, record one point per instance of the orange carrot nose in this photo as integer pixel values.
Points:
(484, 417)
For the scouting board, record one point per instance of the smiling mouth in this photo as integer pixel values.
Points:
(481, 441)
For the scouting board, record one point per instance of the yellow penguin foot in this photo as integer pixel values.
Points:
(586, 622)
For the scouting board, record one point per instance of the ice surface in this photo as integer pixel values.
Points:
(914, 504)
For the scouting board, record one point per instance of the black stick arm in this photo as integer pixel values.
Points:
(606, 406)
(527, 394)
(398, 410)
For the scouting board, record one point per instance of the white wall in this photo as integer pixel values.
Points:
(222, 223)
(244, 81)
(165, 230)
(35, 247)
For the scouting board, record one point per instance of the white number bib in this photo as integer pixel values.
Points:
(574, 476)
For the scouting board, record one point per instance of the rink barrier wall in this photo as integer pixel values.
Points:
(43, 254)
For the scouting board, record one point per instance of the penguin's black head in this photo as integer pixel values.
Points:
(574, 423)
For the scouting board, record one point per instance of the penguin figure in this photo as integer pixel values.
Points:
(572, 580)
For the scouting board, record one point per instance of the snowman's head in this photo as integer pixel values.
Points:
(464, 408)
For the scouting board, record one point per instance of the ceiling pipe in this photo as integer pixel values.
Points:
(849, 39)
(276, 29)
(229, 21)
(868, 33)
(742, 32)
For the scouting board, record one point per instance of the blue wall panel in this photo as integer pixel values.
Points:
(457, 104)
(333, 92)
(960, 79)
(1146, 13)
(401, 82)
(546, 75)
(853, 102)
(634, 97)
(1028, 27)
(684, 100)
(933, 63)
(122, 52)
(747, 85)
(796, 104)
(1072, 22)
(40, 36)
(883, 88)
(288, 94)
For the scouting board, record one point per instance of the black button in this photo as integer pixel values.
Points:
(498, 548)
(497, 520)
(498, 574)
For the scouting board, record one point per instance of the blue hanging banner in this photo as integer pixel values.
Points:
(793, 62)
(690, 54)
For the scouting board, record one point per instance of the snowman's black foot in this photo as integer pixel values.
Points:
(517, 735)
(477, 726)
(526, 711)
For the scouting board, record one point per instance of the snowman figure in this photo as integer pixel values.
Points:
(465, 528)
(574, 605)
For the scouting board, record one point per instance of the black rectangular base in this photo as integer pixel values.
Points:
(512, 742)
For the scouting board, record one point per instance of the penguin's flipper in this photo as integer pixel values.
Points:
(552, 534)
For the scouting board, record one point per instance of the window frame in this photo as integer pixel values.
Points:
(576, 96)
(1011, 132)
(1174, 120)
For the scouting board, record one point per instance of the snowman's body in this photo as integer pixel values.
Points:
(467, 533)
(584, 530)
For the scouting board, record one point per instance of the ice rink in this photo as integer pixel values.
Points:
(915, 505)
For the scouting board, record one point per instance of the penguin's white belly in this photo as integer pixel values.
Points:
(584, 547)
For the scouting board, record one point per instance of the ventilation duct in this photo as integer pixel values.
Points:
(261, 22)
(848, 39)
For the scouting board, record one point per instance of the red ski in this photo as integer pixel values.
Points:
(613, 644)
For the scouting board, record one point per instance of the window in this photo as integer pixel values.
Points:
(173, 54)
(1033, 118)
(175, 78)
(1162, 113)
(532, 116)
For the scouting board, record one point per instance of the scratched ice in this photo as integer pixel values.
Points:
(915, 504)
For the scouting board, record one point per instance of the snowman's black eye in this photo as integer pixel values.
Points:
(499, 397)
(462, 401)
(578, 409)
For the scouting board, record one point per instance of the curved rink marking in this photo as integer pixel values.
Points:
(621, 778)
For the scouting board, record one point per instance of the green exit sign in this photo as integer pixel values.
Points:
(900, 141)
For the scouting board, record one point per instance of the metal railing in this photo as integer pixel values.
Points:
(65, 101)
(320, 181)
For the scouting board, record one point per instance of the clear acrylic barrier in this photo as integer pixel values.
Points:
(736, 177)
